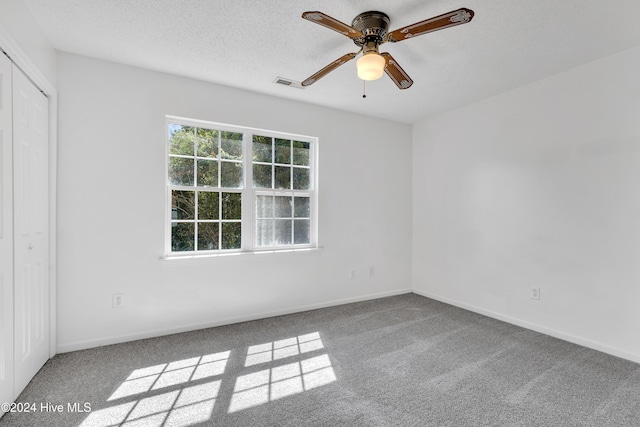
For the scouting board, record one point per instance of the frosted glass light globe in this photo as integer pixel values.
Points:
(370, 66)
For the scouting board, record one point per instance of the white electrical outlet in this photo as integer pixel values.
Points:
(118, 300)
(352, 273)
(535, 293)
(372, 271)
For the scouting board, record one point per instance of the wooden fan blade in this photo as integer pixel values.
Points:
(395, 71)
(329, 68)
(446, 20)
(332, 24)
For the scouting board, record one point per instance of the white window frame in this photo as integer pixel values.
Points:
(249, 194)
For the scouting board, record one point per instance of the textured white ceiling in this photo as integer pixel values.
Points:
(247, 43)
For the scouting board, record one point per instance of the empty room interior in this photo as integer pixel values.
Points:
(319, 213)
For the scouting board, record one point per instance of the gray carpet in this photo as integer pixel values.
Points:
(399, 361)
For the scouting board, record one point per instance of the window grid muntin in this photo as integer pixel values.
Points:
(218, 159)
(196, 221)
(291, 165)
(197, 188)
(273, 192)
(292, 195)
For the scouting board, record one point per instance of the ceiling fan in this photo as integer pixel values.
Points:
(369, 30)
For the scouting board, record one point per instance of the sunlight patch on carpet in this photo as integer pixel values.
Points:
(282, 349)
(178, 408)
(170, 374)
(275, 383)
(184, 392)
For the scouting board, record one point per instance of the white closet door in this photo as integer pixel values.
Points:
(31, 233)
(6, 235)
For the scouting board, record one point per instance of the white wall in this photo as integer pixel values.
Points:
(539, 187)
(111, 208)
(16, 21)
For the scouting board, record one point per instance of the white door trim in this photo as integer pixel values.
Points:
(7, 347)
(20, 58)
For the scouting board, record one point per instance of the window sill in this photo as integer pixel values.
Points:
(237, 256)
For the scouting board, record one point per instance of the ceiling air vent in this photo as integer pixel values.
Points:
(288, 82)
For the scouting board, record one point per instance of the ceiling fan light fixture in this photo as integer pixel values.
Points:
(370, 66)
(369, 30)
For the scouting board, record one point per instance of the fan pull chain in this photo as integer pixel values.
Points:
(364, 88)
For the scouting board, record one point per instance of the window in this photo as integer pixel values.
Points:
(222, 199)
(282, 179)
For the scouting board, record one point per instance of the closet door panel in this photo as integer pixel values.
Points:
(31, 235)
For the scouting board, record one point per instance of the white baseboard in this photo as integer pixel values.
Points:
(82, 345)
(535, 327)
